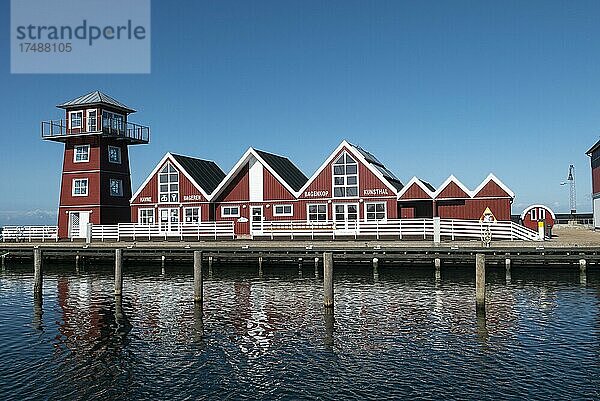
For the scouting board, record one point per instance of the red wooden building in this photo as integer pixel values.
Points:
(96, 183)
(176, 192)
(533, 214)
(594, 154)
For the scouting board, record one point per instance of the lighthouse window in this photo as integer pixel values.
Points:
(80, 187)
(116, 187)
(168, 184)
(345, 177)
(114, 154)
(76, 119)
(92, 121)
(81, 153)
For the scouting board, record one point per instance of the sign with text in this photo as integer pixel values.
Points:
(75, 36)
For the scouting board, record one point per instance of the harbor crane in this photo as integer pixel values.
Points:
(572, 195)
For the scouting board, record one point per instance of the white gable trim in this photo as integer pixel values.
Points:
(455, 180)
(162, 161)
(415, 180)
(237, 168)
(355, 153)
(492, 177)
(528, 208)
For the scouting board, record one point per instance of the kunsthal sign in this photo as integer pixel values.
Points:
(75, 36)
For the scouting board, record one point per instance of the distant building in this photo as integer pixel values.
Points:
(594, 154)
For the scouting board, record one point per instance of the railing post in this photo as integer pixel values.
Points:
(400, 228)
(437, 235)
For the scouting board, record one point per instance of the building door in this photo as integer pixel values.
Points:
(256, 221)
(78, 222)
(168, 219)
(345, 216)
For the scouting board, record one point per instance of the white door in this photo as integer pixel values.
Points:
(256, 219)
(78, 222)
(597, 213)
(168, 219)
(345, 216)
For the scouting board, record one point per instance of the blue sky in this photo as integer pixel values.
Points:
(432, 88)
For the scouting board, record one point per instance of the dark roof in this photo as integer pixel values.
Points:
(206, 173)
(285, 169)
(389, 176)
(95, 98)
(428, 185)
(593, 148)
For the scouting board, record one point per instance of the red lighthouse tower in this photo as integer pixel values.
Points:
(96, 182)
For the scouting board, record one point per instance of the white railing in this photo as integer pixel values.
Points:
(29, 233)
(413, 228)
(209, 229)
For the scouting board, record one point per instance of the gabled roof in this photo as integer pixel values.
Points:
(203, 174)
(95, 98)
(285, 169)
(280, 167)
(450, 180)
(593, 148)
(492, 178)
(424, 185)
(366, 158)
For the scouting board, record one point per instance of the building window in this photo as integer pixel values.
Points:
(283, 210)
(92, 120)
(345, 177)
(191, 215)
(542, 213)
(116, 187)
(230, 211)
(375, 211)
(114, 154)
(317, 212)
(146, 217)
(76, 119)
(533, 214)
(168, 189)
(113, 122)
(81, 153)
(80, 187)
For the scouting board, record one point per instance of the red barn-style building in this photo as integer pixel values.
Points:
(96, 183)
(176, 192)
(533, 214)
(594, 154)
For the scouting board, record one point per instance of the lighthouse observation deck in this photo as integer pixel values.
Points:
(132, 133)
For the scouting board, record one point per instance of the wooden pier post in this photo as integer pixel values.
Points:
(4, 261)
(582, 271)
(260, 266)
(210, 266)
(376, 270)
(329, 326)
(77, 258)
(328, 279)
(37, 273)
(316, 267)
(437, 262)
(198, 284)
(118, 271)
(480, 280)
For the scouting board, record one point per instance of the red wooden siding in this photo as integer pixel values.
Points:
(238, 189)
(596, 180)
(415, 209)
(415, 192)
(472, 209)
(491, 189)
(533, 224)
(451, 191)
(273, 189)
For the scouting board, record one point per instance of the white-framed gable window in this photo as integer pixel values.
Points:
(168, 184)
(75, 119)
(80, 187)
(283, 210)
(146, 216)
(533, 214)
(345, 177)
(114, 154)
(92, 120)
(375, 211)
(230, 211)
(317, 212)
(191, 215)
(116, 187)
(81, 153)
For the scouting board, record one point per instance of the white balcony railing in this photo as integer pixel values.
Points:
(29, 233)
(132, 231)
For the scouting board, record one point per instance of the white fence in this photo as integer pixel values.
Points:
(399, 229)
(29, 233)
(212, 229)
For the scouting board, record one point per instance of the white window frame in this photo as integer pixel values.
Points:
(71, 113)
(223, 208)
(345, 185)
(87, 114)
(185, 209)
(317, 204)
(113, 119)
(110, 182)
(119, 153)
(87, 186)
(168, 183)
(542, 214)
(87, 152)
(533, 214)
(284, 213)
(140, 222)
(376, 203)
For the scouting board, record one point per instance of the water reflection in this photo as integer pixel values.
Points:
(37, 314)
(329, 326)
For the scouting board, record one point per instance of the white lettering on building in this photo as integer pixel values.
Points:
(375, 191)
(146, 199)
(316, 194)
(192, 198)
